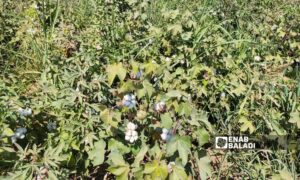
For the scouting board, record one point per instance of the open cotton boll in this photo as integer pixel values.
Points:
(131, 140)
(132, 97)
(127, 138)
(165, 131)
(25, 112)
(22, 136)
(160, 107)
(257, 58)
(139, 75)
(127, 97)
(131, 136)
(128, 133)
(134, 133)
(165, 135)
(13, 139)
(28, 112)
(51, 126)
(131, 126)
(129, 101)
(126, 103)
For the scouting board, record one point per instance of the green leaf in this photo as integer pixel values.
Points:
(166, 120)
(157, 170)
(114, 145)
(185, 109)
(7, 132)
(182, 144)
(116, 158)
(201, 116)
(295, 118)
(174, 93)
(121, 172)
(97, 154)
(240, 89)
(202, 136)
(127, 87)
(115, 70)
(204, 167)
(148, 88)
(140, 156)
(178, 173)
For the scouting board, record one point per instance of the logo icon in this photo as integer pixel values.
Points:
(221, 142)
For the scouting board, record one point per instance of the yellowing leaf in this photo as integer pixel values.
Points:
(157, 170)
(115, 70)
(295, 118)
(107, 117)
(175, 29)
(246, 125)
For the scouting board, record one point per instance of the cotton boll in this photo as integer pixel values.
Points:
(132, 97)
(127, 138)
(166, 135)
(165, 131)
(133, 133)
(21, 130)
(131, 140)
(160, 107)
(18, 134)
(163, 136)
(131, 126)
(13, 139)
(22, 136)
(127, 97)
(139, 75)
(257, 58)
(25, 112)
(128, 133)
(28, 112)
(126, 103)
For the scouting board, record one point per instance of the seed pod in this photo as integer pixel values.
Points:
(141, 115)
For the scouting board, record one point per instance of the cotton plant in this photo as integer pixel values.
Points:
(129, 101)
(131, 134)
(166, 134)
(19, 134)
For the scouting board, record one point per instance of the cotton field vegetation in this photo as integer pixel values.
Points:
(149, 89)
